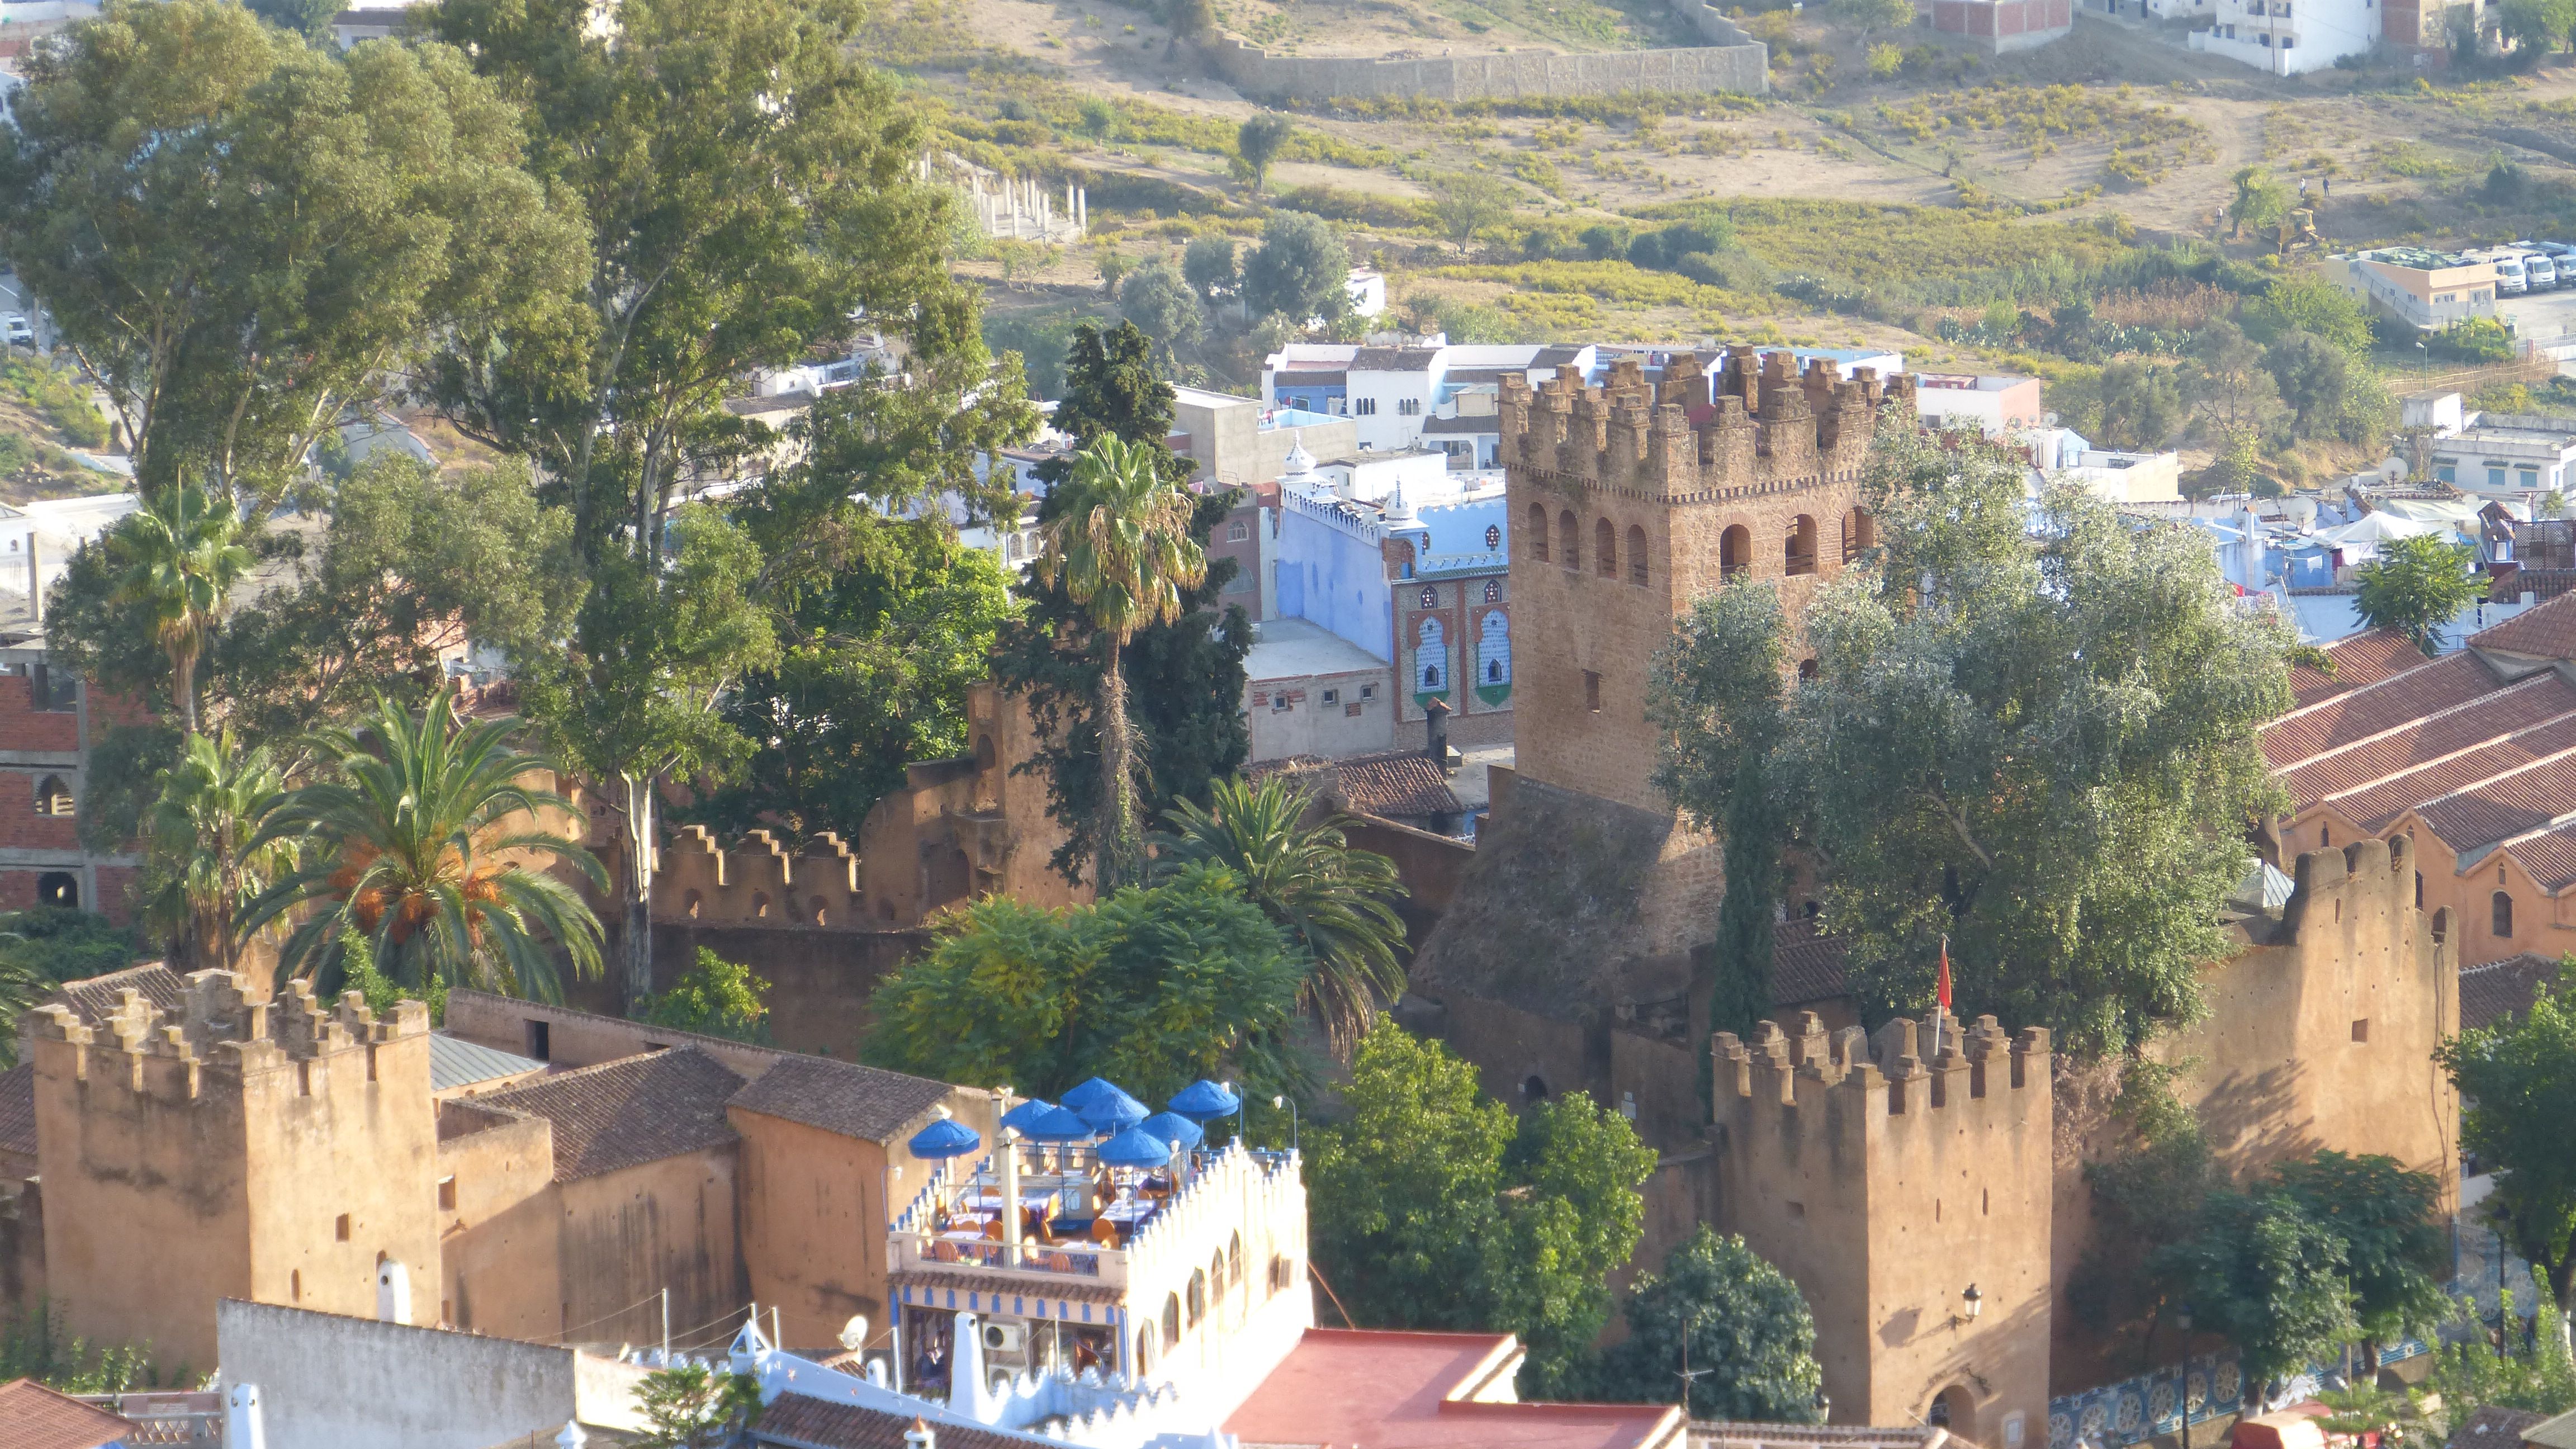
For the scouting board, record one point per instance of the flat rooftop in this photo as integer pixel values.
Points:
(2422, 259)
(1299, 649)
(1345, 1388)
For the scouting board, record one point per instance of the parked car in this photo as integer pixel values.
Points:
(14, 329)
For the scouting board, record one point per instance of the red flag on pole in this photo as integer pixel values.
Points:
(1943, 991)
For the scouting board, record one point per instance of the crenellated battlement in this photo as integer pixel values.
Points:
(1765, 426)
(221, 1027)
(1888, 1074)
(758, 878)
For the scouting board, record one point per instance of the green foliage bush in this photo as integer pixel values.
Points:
(59, 397)
(59, 943)
(715, 997)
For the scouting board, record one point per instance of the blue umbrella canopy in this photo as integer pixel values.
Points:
(1204, 1100)
(1055, 1124)
(945, 1138)
(1108, 1111)
(1135, 1147)
(1174, 1128)
(1019, 1117)
(1077, 1098)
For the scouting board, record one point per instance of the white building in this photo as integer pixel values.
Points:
(1368, 292)
(38, 538)
(2500, 453)
(2426, 289)
(2289, 37)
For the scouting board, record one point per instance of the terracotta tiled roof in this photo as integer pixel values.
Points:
(854, 1101)
(18, 1109)
(2359, 660)
(2550, 857)
(2432, 739)
(95, 997)
(2385, 800)
(630, 1111)
(1399, 783)
(2493, 1427)
(2546, 631)
(2527, 799)
(35, 1417)
(2360, 713)
(2499, 989)
(1806, 964)
(801, 1421)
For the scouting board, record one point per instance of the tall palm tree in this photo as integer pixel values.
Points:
(1121, 545)
(430, 843)
(179, 557)
(201, 875)
(1334, 901)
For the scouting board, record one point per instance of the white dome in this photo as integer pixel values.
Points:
(1301, 464)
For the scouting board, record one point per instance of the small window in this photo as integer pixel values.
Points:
(1637, 556)
(1279, 704)
(53, 797)
(1493, 591)
(2361, 1030)
(1592, 691)
(1534, 1089)
(1538, 532)
(1364, 407)
(340, 1228)
(447, 1194)
(541, 1041)
(56, 691)
(1493, 537)
(1410, 407)
(1368, 691)
(1332, 696)
(2501, 907)
(2325, 837)
(1237, 532)
(1430, 597)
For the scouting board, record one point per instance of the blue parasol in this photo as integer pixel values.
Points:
(1204, 1100)
(1019, 1117)
(1110, 1110)
(1135, 1147)
(1175, 1129)
(1077, 1098)
(1055, 1124)
(944, 1138)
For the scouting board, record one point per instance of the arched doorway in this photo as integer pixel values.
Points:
(1734, 550)
(1954, 1409)
(58, 888)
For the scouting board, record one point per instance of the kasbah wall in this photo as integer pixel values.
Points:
(1883, 1178)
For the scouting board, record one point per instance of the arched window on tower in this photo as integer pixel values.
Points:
(1860, 534)
(1569, 544)
(1734, 550)
(1800, 546)
(1605, 548)
(1636, 556)
(1538, 531)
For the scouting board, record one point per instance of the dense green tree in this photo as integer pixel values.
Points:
(2146, 1195)
(2274, 1280)
(1467, 204)
(2393, 1243)
(1120, 545)
(2260, 200)
(242, 234)
(1208, 264)
(2475, 1373)
(2312, 376)
(2536, 27)
(2417, 586)
(1257, 142)
(695, 1407)
(2236, 405)
(743, 178)
(2518, 1079)
(1153, 988)
(1430, 1208)
(714, 997)
(884, 618)
(421, 841)
(200, 876)
(65, 943)
(176, 560)
(1719, 1310)
(308, 18)
(2141, 404)
(1336, 903)
(1301, 270)
(1717, 694)
(1185, 679)
(1159, 301)
(2031, 729)
(2306, 302)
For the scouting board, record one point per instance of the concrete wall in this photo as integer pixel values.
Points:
(498, 1270)
(1288, 715)
(629, 1234)
(577, 1038)
(331, 1382)
(1884, 1194)
(814, 1226)
(1743, 68)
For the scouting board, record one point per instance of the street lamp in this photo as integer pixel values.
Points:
(2424, 363)
(1282, 1101)
(1972, 1303)
(2182, 1321)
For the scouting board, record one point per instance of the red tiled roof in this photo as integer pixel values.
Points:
(2546, 631)
(2510, 804)
(2430, 740)
(843, 1097)
(1806, 964)
(2378, 803)
(1349, 1387)
(2499, 989)
(1398, 784)
(2359, 660)
(94, 997)
(35, 1417)
(2371, 709)
(2549, 857)
(630, 1111)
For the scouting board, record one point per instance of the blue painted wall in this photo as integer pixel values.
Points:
(1334, 576)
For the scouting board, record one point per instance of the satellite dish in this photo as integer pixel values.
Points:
(854, 1334)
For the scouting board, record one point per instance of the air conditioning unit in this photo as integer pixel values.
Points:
(1005, 1337)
